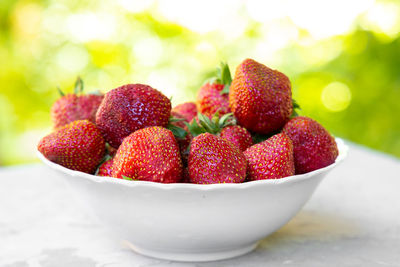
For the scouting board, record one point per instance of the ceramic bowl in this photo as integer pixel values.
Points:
(190, 222)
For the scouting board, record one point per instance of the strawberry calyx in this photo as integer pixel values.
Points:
(177, 131)
(60, 91)
(127, 178)
(78, 87)
(296, 107)
(206, 125)
(225, 77)
(222, 76)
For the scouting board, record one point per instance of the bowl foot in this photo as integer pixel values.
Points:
(190, 256)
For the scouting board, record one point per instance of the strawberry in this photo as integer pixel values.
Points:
(78, 145)
(105, 168)
(313, 146)
(149, 154)
(215, 160)
(271, 159)
(187, 110)
(237, 135)
(129, 108)
(260, 98)
(76, 106)
(213, 95)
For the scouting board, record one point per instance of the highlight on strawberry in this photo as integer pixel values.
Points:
(129, 108)
(241, 129)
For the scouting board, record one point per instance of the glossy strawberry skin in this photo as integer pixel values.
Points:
(149, 154)
(271, 159)
(210, 100)
(260, 98)
(188, 110)
(105, 169)
(74, 107)
(237, 135)
(314, 147)
(215, 160)
(78, 146)
(129, 108)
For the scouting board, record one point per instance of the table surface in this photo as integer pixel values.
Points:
(353, 219)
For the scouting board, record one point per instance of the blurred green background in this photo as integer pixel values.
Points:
(343, 58)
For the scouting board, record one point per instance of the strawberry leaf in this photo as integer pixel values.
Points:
(296, 107)
(222, 76)
(227, 120)
(226, 77)
(225, 90)
(177, 131)
(204, 124)
(194, 128)
(127, 178)
(60, 91)
(78, 88)
(175, 119)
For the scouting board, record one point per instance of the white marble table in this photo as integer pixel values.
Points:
(353, 219)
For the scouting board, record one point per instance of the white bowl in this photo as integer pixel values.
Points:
(190, 222)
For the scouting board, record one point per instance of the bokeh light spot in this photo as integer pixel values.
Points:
(336, 96)
(135, 6)
(89, 26)
(72, 58)
(27, 19)
(383, 17)
(148, 51)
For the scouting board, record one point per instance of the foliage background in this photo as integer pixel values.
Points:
(343, 57)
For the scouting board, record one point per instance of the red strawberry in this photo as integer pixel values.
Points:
(149, 154)
(260, 98)
(271, 159)
(78, 145)
(215, 160)
(213, 96)
(237, 135)
(105, 169)
(313, 146)
(72, 107)
(188, 110)
(129, 108)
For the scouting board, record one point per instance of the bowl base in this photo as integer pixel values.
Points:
(193, 256)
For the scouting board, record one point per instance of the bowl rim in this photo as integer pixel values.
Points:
(342, 147)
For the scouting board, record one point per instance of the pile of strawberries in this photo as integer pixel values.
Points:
(239, 129)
